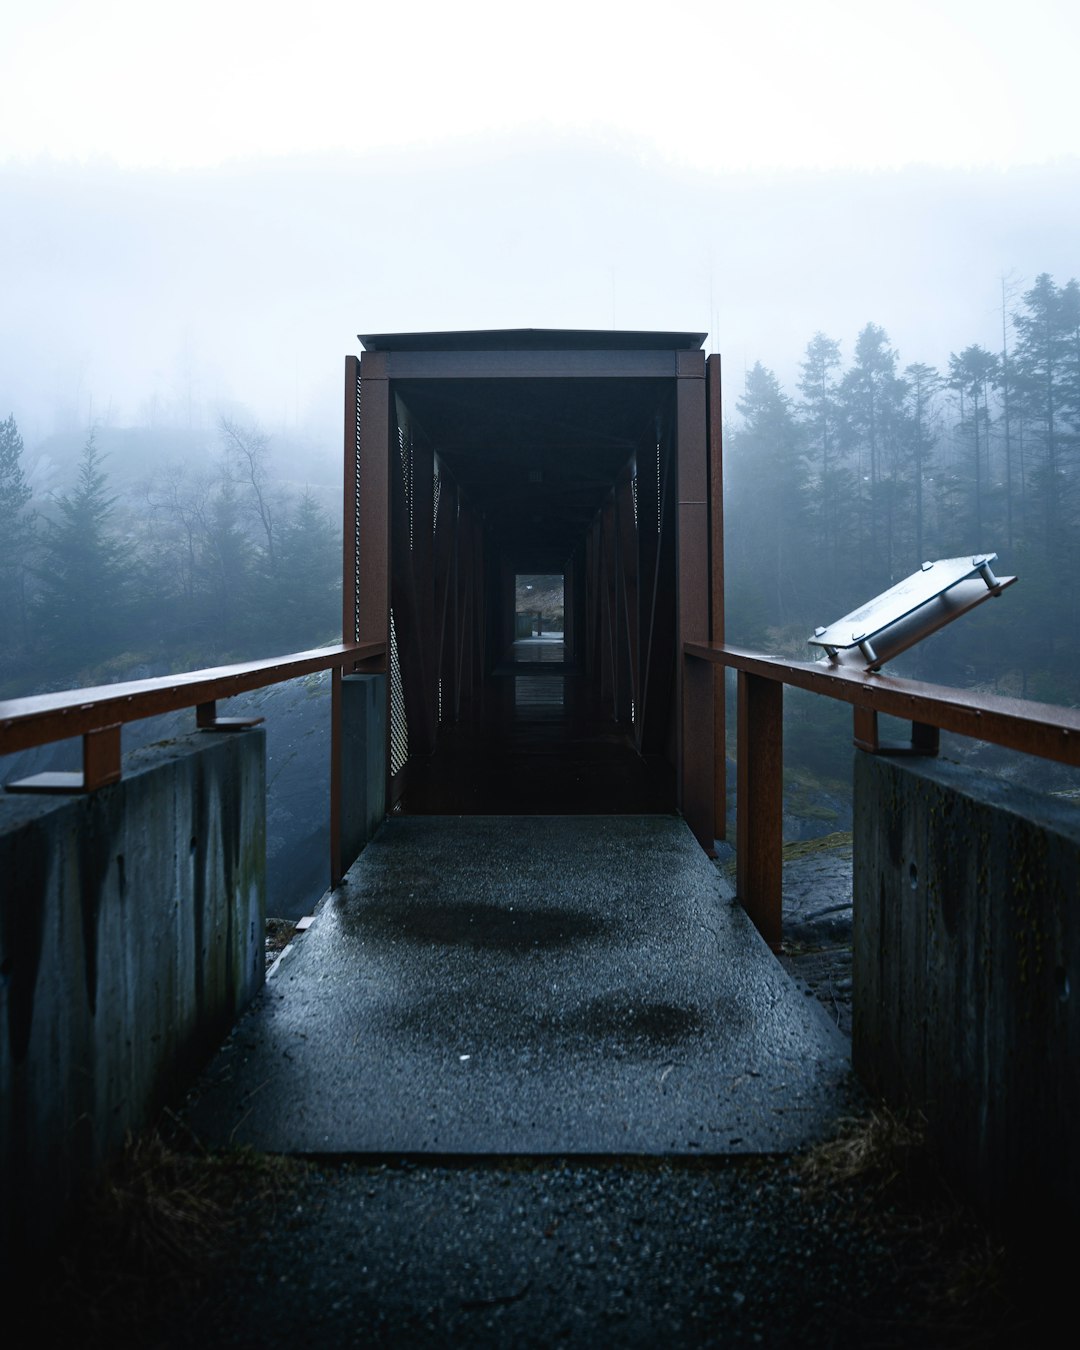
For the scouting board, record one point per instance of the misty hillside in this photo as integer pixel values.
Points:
(134, 550)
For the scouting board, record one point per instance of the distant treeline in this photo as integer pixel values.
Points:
(831, 497)
(188, 570)
(835, 495)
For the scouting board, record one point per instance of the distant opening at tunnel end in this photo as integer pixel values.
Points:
(538, 606)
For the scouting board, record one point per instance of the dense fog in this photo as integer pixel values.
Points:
(873, 223)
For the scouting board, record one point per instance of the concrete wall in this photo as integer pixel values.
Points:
(131, 933)
(363, 763)
(966, 978)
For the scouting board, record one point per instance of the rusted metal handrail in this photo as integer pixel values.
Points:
(97, 714)
(1043, 729)
(42, 718)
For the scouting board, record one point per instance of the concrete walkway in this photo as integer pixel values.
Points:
(528, 985)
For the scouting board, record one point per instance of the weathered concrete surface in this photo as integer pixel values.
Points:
(297, 730)
(363, 762)
(131, 933)
(528, 985)
(967, 939)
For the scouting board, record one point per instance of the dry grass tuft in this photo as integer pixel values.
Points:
(881, 1167)
(149, 1231)
(877, 1151)
(156, 1207)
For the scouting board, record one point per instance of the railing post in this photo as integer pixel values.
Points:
(101, 757)
(698, 779)
(760, 805)
(866, 729)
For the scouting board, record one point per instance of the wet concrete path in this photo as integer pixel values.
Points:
(528, 985)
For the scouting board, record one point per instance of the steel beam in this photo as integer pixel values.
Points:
(760, 809)
(716, 600)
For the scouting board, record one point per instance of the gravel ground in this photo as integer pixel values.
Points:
(817, 922)
(817, 919)
(742, 1253)
(564, 1255)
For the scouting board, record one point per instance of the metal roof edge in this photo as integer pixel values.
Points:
(534, 339)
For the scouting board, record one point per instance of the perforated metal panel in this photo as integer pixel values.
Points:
(405, 449)
(399, 726)
(356, 518)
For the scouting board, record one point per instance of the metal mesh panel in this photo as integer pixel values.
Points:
(399, 727)
(356, 521)
(659, 503)
(406, 451)
(436, 489)
(633, 492)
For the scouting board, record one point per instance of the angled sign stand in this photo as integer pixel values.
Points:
(910, 611)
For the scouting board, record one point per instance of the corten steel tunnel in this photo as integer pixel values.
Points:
(475, 457)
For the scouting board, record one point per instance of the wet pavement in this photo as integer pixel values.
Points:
(528, 986)
(692, 1249)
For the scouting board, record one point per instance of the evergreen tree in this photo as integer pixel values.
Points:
(226, 583)
(872, 403)
(769, 475)
(1069, 315)
(1041, 361)
(179, 502)
(971, 374)
(1005, 386)
(923, 382)
(829, 482)
(82, 577)
(307, 601)
(16, 539)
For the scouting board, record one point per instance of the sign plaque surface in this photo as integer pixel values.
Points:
(912, 609)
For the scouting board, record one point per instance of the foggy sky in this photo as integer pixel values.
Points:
(204, 205)
(250, 283)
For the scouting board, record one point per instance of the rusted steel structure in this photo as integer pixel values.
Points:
(103, 710)
(1035, 728)
(473, 457)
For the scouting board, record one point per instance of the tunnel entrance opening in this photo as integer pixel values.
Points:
(480, 464)
(538, 608)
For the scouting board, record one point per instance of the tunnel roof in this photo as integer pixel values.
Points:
(533, 339)
(535, 425)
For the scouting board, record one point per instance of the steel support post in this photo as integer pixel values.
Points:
(716, 604)
(350, 514)
(693, 576)
(373, 530)
(760, 808)
(925, 737)
(697, 685)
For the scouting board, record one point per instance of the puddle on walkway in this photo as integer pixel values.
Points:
(483, 927)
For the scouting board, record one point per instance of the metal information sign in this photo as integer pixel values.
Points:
(911, 610)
